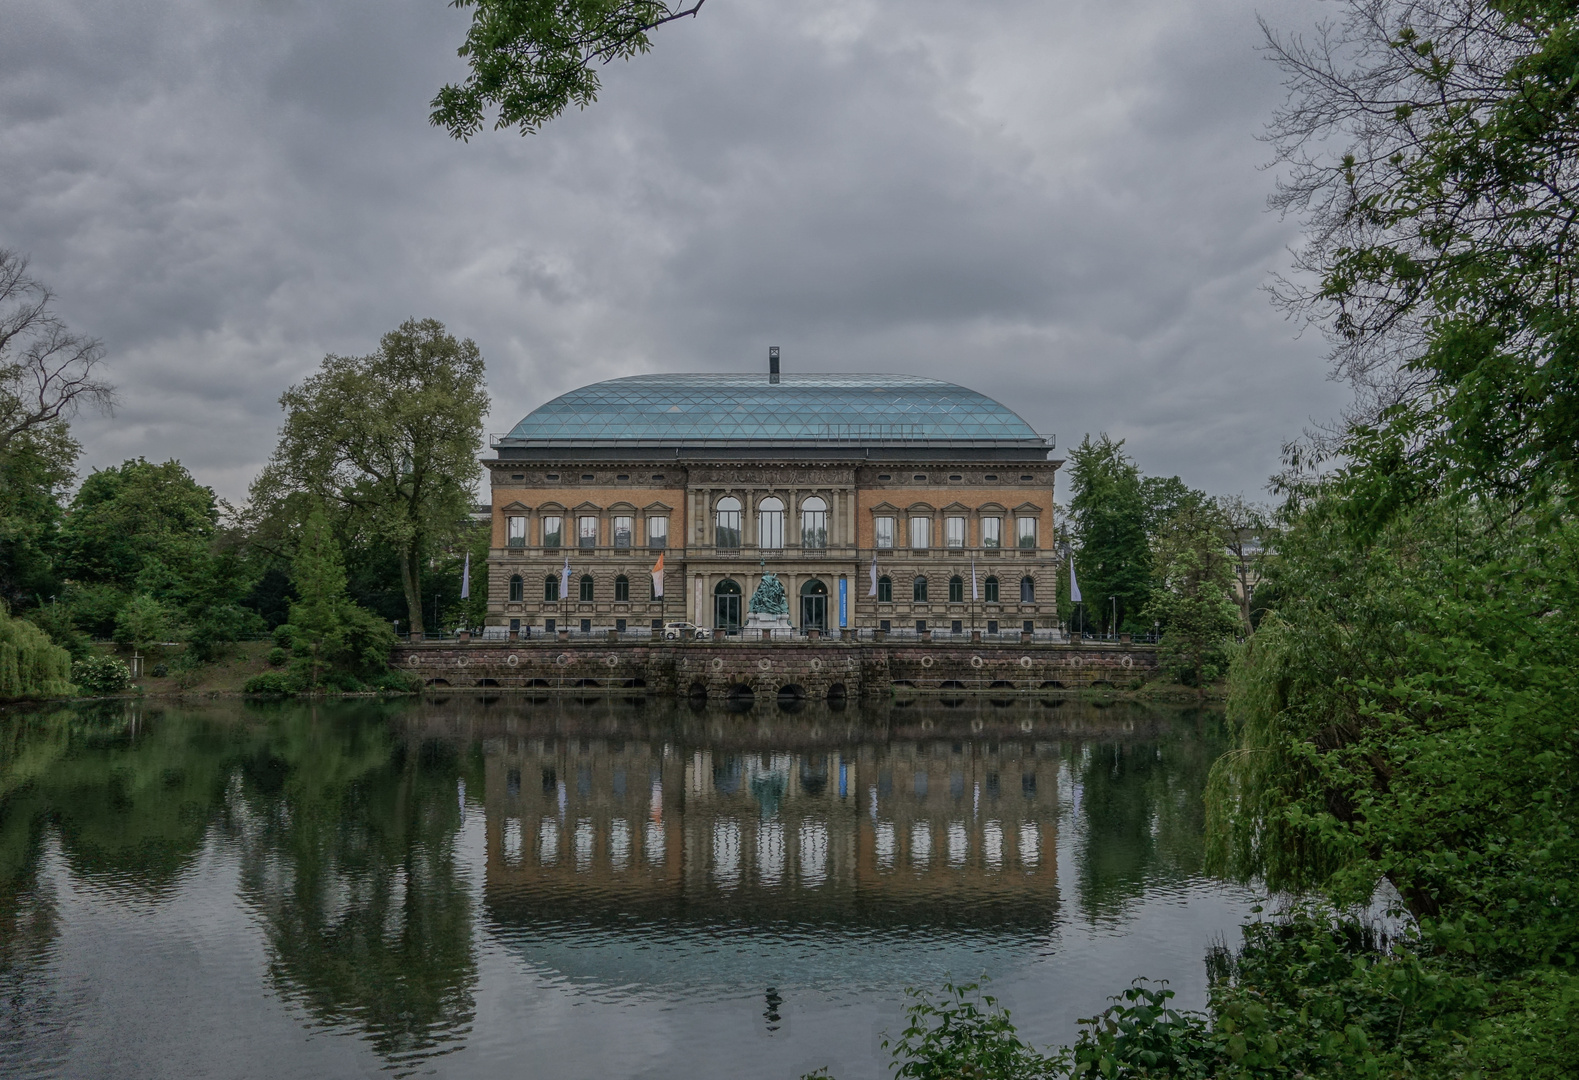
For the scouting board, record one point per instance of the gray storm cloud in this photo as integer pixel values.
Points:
(1059, 205)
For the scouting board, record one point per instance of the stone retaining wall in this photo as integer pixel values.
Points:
(800, 669)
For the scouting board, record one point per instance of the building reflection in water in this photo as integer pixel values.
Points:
(871, 829)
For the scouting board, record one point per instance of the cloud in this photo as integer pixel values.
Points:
(1059, 205)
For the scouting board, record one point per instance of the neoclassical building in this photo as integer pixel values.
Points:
(814, 477)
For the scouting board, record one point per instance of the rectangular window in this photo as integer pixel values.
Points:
(991, 532)
(623, 526)
(954, 532)
(515, 532)
(885, 532)
(587, 532)
(920, 532)
(657, 532)
(885, 590)
(1025, 532)
(552, 531)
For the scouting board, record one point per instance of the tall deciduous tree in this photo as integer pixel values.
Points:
(391, 440)
(532, 59)
(1109, 513)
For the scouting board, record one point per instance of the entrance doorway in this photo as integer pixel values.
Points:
(814, 606)
(726, 606)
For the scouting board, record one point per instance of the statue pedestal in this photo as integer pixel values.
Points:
(772, 625)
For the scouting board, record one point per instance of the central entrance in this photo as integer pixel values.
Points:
(814, 606)
(726, 606)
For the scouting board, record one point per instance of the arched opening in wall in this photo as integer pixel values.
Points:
(838, 696)
(437, 682)
(622, 589)
(1001, 691)
(956, 590)
(814, 606)
(1052, 684)
(726, 606)
(551, 589)
(741, 697)
(953, 693)
(885, 590)
(791, 696)
(1102, 684)
(1027, 590)
(990, 589)
(697, 691)
(1052, 702)
(487, 682)
(586, 683)
(631, 684)
(538, 683)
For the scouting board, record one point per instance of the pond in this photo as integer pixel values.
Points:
(481, 887)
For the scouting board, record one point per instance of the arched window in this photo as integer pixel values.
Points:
(622, 589)
(551, 588)
(1027, 590)
(517, 589)
(770, 523)
(726, 520)
(918, 590)
(956, 590)
(813, 523)
(586, 588)
(991, 590)
(885, 590)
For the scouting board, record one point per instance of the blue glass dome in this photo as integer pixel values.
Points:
(801, 408)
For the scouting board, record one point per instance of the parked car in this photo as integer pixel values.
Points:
(681, 631)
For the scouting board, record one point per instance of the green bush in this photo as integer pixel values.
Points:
(395, 682)
(277, 657)
(270, 682)
(100, 674)
(283, 636)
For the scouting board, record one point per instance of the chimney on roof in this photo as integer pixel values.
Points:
(773, 363)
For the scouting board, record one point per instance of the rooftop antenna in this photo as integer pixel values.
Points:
(773, 363)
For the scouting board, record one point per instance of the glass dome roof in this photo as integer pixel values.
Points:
(803, 407)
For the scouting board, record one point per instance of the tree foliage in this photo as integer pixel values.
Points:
(1431, 146)
(389, 441)
(31, 666)
(331, 636)
(1109, 515)
(532, 59)
(1192, 592)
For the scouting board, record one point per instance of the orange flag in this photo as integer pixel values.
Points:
(657, 577)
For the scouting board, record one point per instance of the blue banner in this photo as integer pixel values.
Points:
(844, 602)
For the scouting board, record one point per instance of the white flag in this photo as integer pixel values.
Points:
(973, 595)
(564, 580)
(466, 577)
(657, 578)
(873, 590)
(1074, 586)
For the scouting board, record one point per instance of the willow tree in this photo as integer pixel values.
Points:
(31, 666)
(391, 440)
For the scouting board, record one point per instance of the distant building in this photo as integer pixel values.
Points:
(809, 476)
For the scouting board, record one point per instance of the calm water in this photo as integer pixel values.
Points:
(500, 887)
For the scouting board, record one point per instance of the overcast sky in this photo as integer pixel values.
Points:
(1061, 204)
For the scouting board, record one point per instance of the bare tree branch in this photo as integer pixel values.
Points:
(47, 372)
